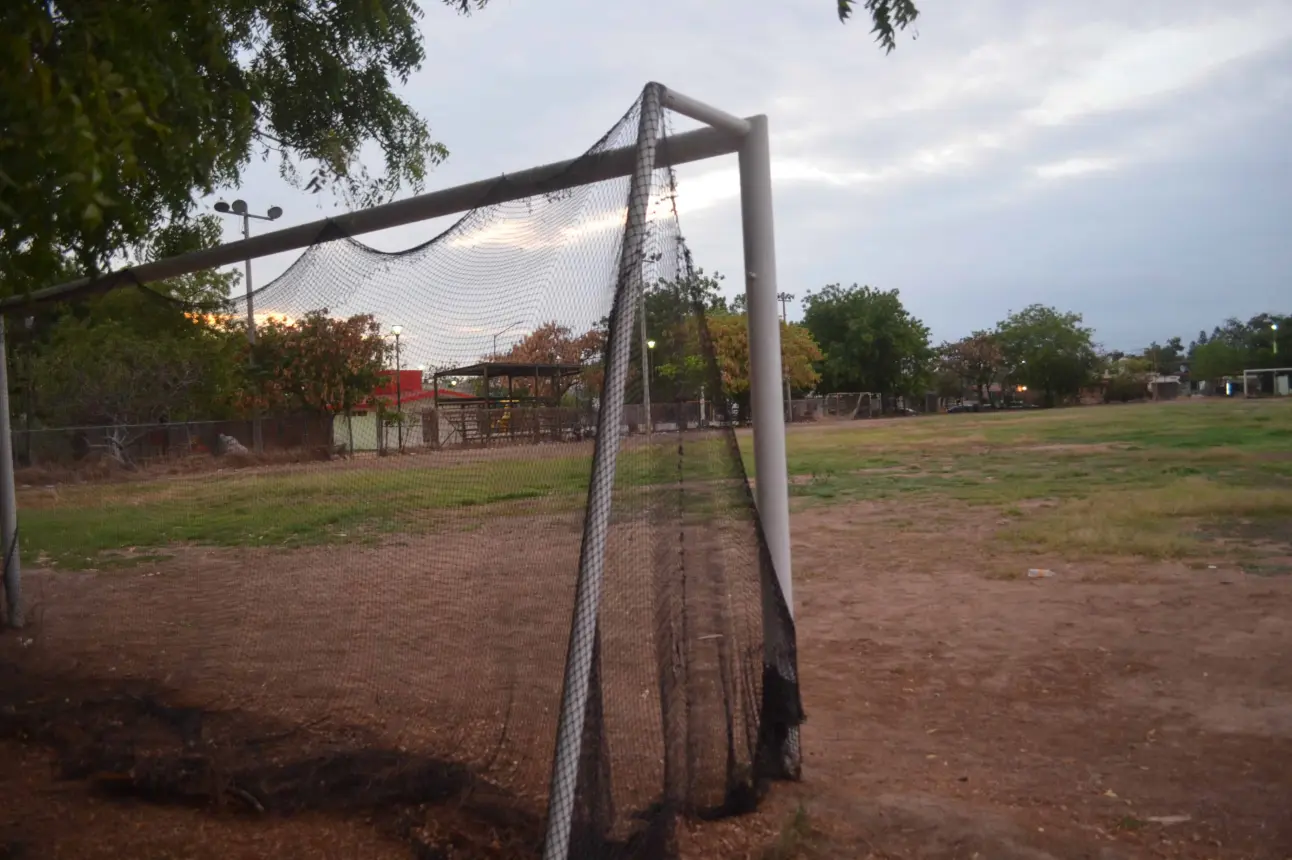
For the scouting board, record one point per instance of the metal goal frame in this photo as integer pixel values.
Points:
(723, 134)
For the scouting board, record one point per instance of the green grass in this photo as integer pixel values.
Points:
(75, 526)
(1074, 453)
(1139, 479)
(1134, 479)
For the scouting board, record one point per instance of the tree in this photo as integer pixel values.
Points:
(887, 17)
(871, 342)
(317, 363)
(1165, 360)
(1127, 378)
(207, 291)
(137, 356)
(552, 343)
(1236, 345)
(103, 370)
(674, 310)
(729, 334)
(1218, 358)
(977, 361)
(1048, 351)
(115, 114)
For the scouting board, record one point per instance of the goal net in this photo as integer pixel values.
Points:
(461, 546)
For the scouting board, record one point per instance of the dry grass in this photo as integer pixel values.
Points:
(1158, 523)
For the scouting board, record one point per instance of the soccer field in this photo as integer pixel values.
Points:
(1128, 479)
(1137, 698)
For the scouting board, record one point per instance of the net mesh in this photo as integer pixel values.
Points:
(368, 614)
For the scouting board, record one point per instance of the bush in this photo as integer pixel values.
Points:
(1124, 387)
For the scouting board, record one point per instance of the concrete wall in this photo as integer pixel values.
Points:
(365, 432)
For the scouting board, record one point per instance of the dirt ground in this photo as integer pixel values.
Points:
(956, 708)
(959, 709)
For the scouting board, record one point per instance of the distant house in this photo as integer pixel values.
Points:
(1164, 387)
(405, 395)
(1267, 381)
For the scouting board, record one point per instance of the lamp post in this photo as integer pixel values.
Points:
(785, 298)
(650, 345)
(504, 331)
(397, 330)
(1274, 327)
(239, 207)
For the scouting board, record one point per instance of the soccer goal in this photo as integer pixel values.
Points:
(516, 575)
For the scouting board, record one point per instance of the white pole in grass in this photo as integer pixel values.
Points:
(772, 483)
(772, 490)
(8, 501)
(587, 601)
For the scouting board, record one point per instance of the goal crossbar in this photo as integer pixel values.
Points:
(722, 137)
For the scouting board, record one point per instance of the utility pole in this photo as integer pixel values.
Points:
(239, 207)
(784, 299)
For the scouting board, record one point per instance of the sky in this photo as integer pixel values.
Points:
(1129, 162)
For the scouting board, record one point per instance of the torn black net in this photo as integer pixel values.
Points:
(388, 629)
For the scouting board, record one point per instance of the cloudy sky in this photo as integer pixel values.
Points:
(1127, 161)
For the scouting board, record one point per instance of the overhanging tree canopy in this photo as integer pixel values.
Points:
(114, 115)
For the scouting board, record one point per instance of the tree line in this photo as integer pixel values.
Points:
(863, 339)
(175, 351)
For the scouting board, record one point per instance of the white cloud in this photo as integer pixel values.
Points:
(1135, 67)
(1002, 109)
(1072, 167)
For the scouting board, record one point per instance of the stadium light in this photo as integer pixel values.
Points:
(504, 331)
(239, 208)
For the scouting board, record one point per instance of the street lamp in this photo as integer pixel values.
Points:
(784, 299)
(1274, 327)
(504, 331)
(397, 330)
(239, 207)
(650, 344)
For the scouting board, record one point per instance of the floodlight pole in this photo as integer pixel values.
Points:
(587, 601)
(8, 501)
(257, 429)
(239, 208)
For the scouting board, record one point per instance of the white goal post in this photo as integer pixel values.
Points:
(724, 134)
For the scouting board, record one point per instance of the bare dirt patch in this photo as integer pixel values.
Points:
(1118, 709)
(402, 699)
